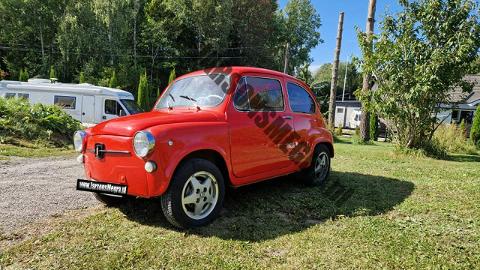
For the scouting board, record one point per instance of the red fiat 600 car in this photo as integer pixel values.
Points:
(211, 128)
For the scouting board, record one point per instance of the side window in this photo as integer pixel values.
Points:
(259, 94)
(23, 96)
(65, 102)
(9, 95)
(112, 107)
(300, 100)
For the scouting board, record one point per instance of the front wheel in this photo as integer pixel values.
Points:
(319, 169)
(195, 195)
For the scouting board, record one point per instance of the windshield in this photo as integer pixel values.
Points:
(203, 91)
(131, 106)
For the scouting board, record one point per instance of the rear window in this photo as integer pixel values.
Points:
(65, 102)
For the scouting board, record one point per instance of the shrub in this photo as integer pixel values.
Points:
(452, 138)
(339, 131)
(113, 80)
(44, 124)
(373, 127)
(475, 131)
(52, 73)
(143, 99)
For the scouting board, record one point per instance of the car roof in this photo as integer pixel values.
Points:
(243, 70)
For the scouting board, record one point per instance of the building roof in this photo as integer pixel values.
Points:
(473, 98)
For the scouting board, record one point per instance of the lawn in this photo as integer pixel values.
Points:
(379, 210)
(8, 150)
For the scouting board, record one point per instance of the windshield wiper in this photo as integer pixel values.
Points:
(170, 107)
(194, 101)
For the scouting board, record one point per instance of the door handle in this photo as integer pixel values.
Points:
(83, 113)
(287, 117)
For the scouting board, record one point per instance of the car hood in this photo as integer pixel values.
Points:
(129, 125)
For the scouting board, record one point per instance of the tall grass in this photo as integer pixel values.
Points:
(453, 139)
(43, 124)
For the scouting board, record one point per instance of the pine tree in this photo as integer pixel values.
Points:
(143, 95)
(81, 78)
(475, 131)
(113, 80)
(52, 72)
(23, 76)
(373, 127)
(172, 76)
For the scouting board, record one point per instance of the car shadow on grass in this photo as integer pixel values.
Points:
(284, 205)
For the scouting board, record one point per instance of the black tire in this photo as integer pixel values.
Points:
(108, 200)
(312, 178)
(176, 212)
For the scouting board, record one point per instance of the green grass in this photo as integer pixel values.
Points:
(8, 150)
(379, 210)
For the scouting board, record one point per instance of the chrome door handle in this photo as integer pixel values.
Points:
(287, 117)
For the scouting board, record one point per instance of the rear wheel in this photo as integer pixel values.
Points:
(319, 170)
(109, 200)
(195, 195)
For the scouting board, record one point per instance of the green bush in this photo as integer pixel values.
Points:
(339, 131)
(475, 131)
(44, 124)
(452, 138)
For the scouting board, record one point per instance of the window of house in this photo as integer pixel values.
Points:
(454, 115)
(339, 110)
(466, 116)
(10, 95)
(65, 102)
(300, 100)
(259, 94)
(112, 107)
(23, 96)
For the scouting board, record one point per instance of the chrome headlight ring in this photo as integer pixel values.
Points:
(143, 143)
(79, 140)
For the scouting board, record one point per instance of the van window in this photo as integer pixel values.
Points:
(259, 94)
(339, 110)
(112, 107)
(65, 102)
(10, 95)
(300, 100)
(23, 96)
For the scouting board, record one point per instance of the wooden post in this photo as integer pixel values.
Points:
(333, 85)
(365, 117)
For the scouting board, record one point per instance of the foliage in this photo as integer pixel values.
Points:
(81, 78)
(113, 80)
(300, 23)
(452, 138)
(420, 55)
(475, 130)
(339, 131)
(172, 76)
(305, 75)
(322, 92)
(23, 75)
(46, 124)
(52, 73)
(354, 78)
(143, 99)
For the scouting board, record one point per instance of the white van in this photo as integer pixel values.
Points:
(87, 103)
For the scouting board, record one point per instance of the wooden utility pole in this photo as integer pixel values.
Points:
(365, 117)
(333, 85)
(285, 67)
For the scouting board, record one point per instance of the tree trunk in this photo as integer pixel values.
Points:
(365, 117)
(333, 85)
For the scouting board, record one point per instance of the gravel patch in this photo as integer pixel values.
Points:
(34, 189)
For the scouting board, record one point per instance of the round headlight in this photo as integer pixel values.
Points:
(143, 143)
(78, 140)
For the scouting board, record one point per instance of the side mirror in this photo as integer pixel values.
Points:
(122, 113)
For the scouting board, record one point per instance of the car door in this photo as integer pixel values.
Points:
(259, 126)
(88, 109)
(306, 115)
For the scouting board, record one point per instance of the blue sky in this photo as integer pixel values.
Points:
(355, 15)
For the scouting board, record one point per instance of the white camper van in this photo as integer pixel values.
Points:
(87, 103)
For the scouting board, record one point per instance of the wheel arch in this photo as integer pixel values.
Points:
(329, 146)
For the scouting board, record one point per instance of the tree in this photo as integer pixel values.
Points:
(81, 78)
(373, 125)
(52, 73)
(305, 75)
(23, 75)
(143, 96)
(475, 131)
(172, 76)
(113, 80)
(300, 27)
(421, 54)
(353, 83)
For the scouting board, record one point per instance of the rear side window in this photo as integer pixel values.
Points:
(65, 102)
(259, 94)
(300, 100)
(23, 96)
(112, 107)
(10, 95)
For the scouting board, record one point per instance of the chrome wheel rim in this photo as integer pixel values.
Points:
(200, 195)
(322, 165)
